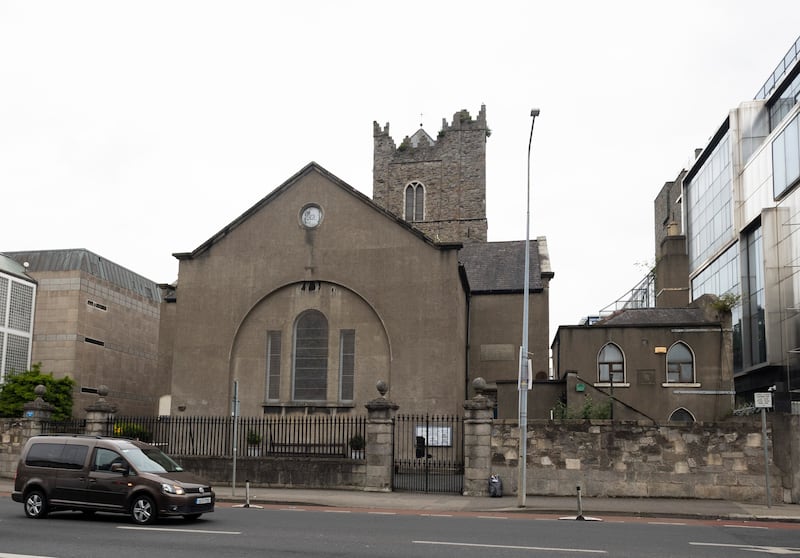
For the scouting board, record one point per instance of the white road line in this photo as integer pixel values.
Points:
(337, 511)
(171, 530)
(4, 555)
(382, 513)
(768, 549)
(435, 515)
(745, 527)
(514, 547)
(490, 517)
(666, 523)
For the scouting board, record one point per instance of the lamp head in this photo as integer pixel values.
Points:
(535, 112)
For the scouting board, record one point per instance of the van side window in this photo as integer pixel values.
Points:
(57, 456)
(44, 455)
(104, 458)
(74, 456)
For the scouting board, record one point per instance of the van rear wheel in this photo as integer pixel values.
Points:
(36, 504)
(143, 509)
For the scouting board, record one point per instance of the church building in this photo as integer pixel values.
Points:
(317, 291)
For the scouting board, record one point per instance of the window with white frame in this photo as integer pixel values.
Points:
(610, 364)
(680, 364)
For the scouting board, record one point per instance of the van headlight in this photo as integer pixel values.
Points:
(172, 489)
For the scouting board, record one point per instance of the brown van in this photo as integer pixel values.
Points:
(96, 474)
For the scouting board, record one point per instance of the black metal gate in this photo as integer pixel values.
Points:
(428, 453)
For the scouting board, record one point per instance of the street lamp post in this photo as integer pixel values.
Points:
(524, 373)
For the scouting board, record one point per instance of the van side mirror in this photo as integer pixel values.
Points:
(120, 468)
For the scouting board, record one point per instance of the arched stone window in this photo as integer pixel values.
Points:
(610, 364)
(680, 364)
(681, 415)
(311, 357)
(415, 201)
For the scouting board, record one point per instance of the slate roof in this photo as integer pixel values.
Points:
(658, 317)
(12, 267)
(499, 267)
(81, 259)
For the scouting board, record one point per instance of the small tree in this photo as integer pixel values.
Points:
(18, 389)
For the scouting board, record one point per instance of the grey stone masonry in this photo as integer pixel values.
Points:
(452, 170)
(97, 414)
(477, 442)
(380, 430)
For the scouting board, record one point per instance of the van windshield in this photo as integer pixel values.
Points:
(151, 460)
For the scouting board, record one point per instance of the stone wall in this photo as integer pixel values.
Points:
(280, 472)
(13, 436)
(722, 460)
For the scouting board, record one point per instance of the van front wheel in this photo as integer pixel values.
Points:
(36, 504)
(143, 509)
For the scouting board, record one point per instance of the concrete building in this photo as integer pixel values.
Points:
(17, 304)
(97, 323)
(316, 292)
(740, 209)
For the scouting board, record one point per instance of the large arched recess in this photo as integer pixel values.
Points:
(277, 311)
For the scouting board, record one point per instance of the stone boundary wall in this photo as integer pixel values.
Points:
(280, 472)
(12, 437)
(722, 460)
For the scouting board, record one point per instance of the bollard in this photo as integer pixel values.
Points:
(580, 505)
(246, 498)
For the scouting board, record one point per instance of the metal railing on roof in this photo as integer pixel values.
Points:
(786, 64)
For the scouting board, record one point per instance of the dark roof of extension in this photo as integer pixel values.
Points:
(656, 317)
(80, 259)
(499, 267)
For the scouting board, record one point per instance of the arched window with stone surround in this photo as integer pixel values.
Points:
(680, 364)
(610, 364)
(415, 201)
(311, 357)
(681, 415)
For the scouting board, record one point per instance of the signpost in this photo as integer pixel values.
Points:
(764, 401)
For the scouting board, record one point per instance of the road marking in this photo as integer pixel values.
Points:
(767, 549)
(745, 527)
(436, 515)
(514, 547)
(173, 530)
(4, 555)
(336, 511)
(382, 513)
(679, 524)
(490, 517)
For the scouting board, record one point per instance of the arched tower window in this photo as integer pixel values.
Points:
(415, 201)
(311, 357)
(610, 364)
(680, 364)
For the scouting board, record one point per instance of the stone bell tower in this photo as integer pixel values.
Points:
(438, 185)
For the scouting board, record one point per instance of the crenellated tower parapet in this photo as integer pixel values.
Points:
(437, 184)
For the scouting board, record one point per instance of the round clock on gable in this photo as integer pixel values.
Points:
(311, 216)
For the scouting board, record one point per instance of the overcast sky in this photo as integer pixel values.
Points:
(140, 129)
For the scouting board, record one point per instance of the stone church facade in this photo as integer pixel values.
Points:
(317, 291)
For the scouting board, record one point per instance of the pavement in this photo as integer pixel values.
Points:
(562, 506)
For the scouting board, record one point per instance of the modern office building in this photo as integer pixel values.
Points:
(97, 323)
(740, 206)
(17, 304)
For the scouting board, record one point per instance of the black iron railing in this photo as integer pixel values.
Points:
(323, 436)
